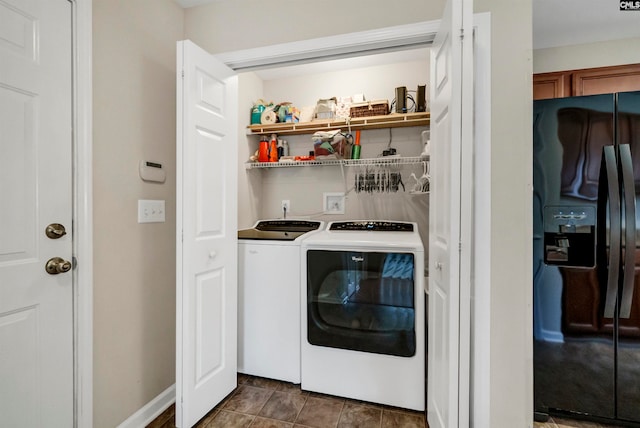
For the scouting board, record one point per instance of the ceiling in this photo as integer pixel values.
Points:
(571, 22)
(555, 23)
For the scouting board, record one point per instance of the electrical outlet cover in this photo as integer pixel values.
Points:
(333, 202)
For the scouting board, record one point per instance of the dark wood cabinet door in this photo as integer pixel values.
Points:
(551, 85)
(605, 80)
(589, 81)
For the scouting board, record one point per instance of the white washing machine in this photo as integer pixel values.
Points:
(269, 297)
(363, 329)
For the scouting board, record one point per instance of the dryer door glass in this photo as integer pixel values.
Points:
(362, 301)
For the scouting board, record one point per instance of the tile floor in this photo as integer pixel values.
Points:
(266, 403)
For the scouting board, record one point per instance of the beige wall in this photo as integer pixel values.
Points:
(304, 187)
(250, 88)
(511, 372)
(602, 54)
(133, 119)
(223, 26)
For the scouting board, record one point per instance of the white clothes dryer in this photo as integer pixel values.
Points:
(363, 309)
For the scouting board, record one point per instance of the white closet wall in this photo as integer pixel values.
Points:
(304, 186)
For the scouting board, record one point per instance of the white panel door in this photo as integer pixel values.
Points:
(36, 330)
(451, 77)
(206, 354)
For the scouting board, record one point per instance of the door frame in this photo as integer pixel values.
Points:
(347, 45)
(475, 292)
(82, 212)
(480, 268)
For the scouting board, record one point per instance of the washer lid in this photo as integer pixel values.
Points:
(279, 230)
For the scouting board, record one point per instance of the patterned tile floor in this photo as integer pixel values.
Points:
(266, 403)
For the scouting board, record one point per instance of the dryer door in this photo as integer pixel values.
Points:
(361, 301)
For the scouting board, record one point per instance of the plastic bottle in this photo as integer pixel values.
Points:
(273, 148)
(263, 149)
(280, 149)
(285, 145)
(256, 112)
(355, 152)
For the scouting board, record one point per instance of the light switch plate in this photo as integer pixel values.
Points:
(333, 202)
(150, 211)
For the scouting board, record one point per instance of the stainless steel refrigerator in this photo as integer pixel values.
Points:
(586, 265)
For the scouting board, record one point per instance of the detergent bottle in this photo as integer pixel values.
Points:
(263, 149)
(273, 148)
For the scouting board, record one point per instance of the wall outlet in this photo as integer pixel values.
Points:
(333, 203)
(286, 206)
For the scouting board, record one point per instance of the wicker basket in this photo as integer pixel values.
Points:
(369, 108)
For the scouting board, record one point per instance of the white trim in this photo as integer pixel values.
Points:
(151, 410)
(83, 214)
(467, 193)
(481, 297)
(332, 47)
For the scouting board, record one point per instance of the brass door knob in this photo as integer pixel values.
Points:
(57, 265)
(55, 231)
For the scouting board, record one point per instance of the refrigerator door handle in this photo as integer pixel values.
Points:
(608, 189)
(628, 276)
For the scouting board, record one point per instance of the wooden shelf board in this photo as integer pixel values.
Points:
(393, 120)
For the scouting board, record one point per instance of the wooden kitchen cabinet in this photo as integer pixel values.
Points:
(605, 80)
(590, 81)
(551, 85)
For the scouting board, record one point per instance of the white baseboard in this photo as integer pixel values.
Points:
(151, 410)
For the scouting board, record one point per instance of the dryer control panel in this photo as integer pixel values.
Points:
(378, 226)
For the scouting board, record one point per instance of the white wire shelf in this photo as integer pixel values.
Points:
(380, 161)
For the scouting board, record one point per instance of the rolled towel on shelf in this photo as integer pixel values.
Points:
(268, 117)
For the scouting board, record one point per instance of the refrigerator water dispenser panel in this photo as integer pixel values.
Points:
(570, 236)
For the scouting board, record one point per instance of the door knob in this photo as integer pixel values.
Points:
(57, 265)
(55, 231)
